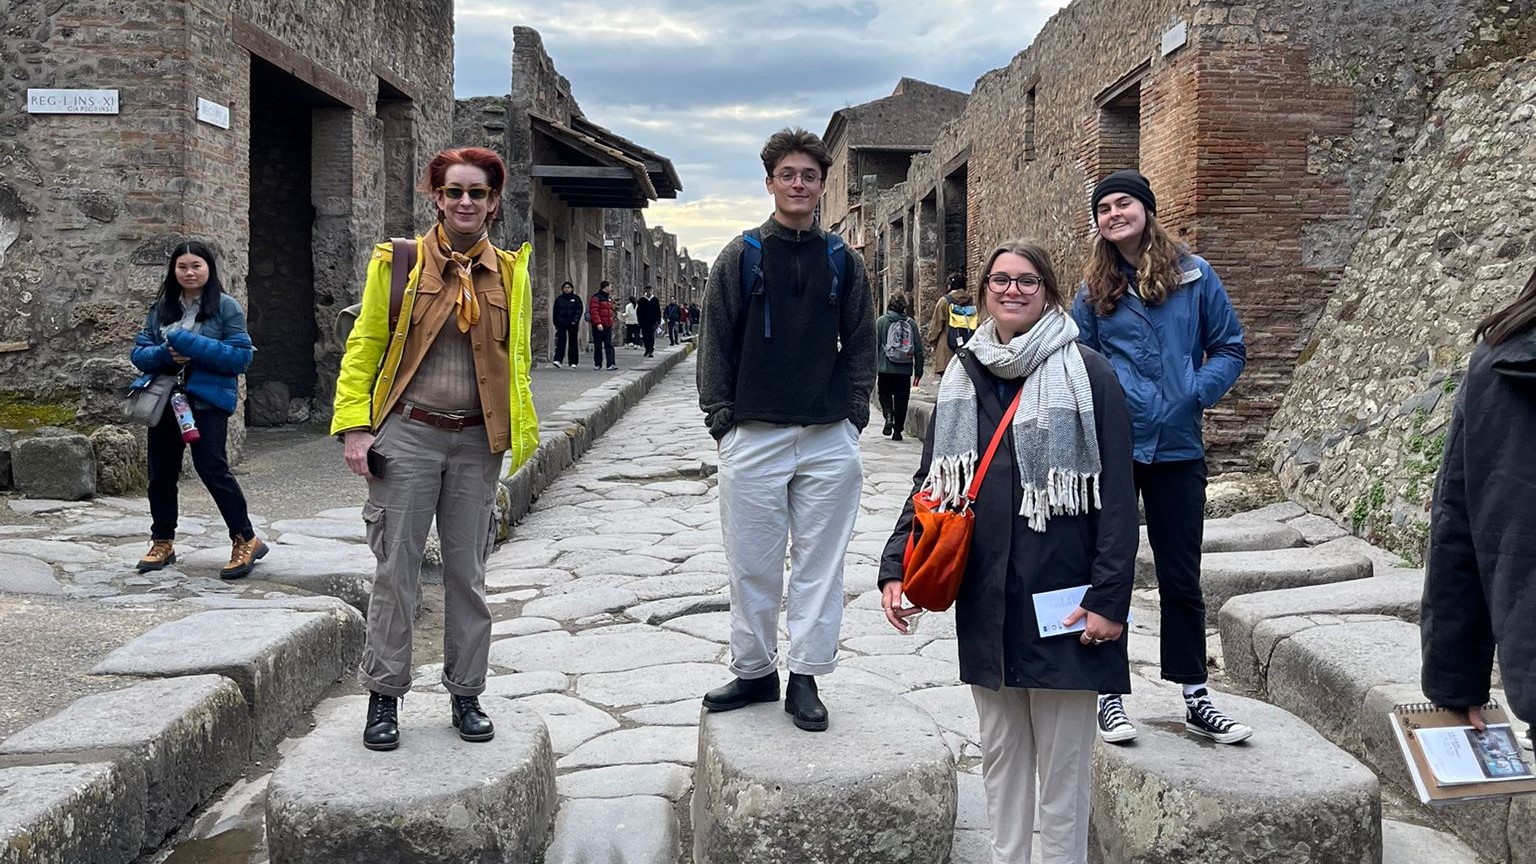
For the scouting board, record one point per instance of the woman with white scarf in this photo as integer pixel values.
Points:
(1056, 510)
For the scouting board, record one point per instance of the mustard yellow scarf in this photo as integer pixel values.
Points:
(468, 307)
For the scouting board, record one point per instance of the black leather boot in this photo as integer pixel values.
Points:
(889, 428)
(471, 720)
(382, 731)
(743, 692)
(802, 703)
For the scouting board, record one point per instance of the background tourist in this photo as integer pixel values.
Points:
(898, 364)
(567, 321)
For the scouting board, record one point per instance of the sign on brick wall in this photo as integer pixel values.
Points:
(71, 101)
(213, 113)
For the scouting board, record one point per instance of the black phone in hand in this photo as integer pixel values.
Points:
(376, 463)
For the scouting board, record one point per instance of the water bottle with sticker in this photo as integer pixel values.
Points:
(184, 419)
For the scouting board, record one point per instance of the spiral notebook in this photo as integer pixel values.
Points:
(1451, 761)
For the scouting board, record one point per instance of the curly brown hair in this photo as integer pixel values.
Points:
(1157, 275)
(796, 140)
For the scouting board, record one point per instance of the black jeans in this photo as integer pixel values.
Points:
(648, 337)
(894, 388)
(1173, 495)
(602, 340)
(565, 345)
(208, 457)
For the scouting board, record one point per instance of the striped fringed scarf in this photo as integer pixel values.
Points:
(1054, 432)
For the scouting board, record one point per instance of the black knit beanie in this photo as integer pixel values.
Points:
(1129, 181)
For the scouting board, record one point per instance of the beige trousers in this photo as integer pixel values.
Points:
(450, 475)
(1025, 732)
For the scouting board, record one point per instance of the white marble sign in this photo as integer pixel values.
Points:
(213, 113)
(71, 101)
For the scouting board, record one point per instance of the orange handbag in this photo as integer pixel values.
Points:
(940, 540)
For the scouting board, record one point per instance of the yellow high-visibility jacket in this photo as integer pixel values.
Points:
(373, 354)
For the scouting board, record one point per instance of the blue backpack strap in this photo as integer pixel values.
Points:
(837, 259)
(752, 278)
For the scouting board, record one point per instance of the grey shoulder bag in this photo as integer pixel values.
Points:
(145, 405)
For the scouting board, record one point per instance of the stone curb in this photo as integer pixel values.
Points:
(61, 814)
(568, 432)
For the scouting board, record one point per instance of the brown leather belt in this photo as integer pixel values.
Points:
(440, 421)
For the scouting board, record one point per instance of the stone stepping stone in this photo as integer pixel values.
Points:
(442, 799)
(639, 829)
(1234, 534)
(878, 787)
(621, 781)
(1288, 796)
(608, 649)
(282, 660)
(1224, 575)
(22, 575)
(186, 737)
(1323, 674)
(1398, 594)
(657, 684)
(640, 746)
(67, 813)
(1318, 529)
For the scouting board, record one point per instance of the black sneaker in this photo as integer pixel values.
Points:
(1114, 726)
(1202, 718)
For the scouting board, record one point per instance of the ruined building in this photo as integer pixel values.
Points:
(290, 143)
(1278, 136)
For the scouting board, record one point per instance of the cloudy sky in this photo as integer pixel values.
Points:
(703, 82)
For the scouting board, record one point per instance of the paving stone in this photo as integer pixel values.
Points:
(953, 708)
(1402, 843)
(1318, 529)
(631, 566)
(634, 830)
(610, 542)
(54, 551)
(569, 607)
(1282, 512)
(1398, 595)
(676, 585)
(1234, 534)
(520, 684)
(1289, 796)
(330, 800)
(877, 786)
(652, 685)
(1224, 575)
(518, 577)
(186, 736)
(127, 526)
(62, 814)
(523, 555)
(601, 651)
(516, 596)
(714, 626)
(282, 660)
(975, 847)
(636, 747)
(571, 721)
(683, 712)
(335, 529)
(523, 626)
(895, 643)
(22, 575)
(621, 781)
(661, 611)
(915, 671)
(586, 583)
(37, 506)
(947, 650)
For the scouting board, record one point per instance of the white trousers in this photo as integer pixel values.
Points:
(1024, 730)
(776, 483)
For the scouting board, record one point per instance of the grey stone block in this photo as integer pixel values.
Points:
(60, 466)
(71, 814)
(189, 736)
(436, 799)
(1286, 797)
(1323, 674)
(633, 830)
(122, 459)
(1224, 535)
(20, 574)
(1396, 595)
(282, 660)
(878, 787)
(1224, 575)
(1402, 843)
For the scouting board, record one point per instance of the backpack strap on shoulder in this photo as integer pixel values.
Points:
(752, 279)
(403, 263)
(837, 260)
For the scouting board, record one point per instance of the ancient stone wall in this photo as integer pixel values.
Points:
(1362, 428)
(111, 194)
(1267, 134)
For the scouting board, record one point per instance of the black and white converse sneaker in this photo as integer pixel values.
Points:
(1202, 718)
(1114, 726)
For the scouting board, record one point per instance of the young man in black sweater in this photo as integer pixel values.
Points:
(785, 367)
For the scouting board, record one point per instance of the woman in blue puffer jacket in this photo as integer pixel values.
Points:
(1161, 316)
(196, 331)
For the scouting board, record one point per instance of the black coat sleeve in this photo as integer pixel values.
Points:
(1114, 553)
(1455, 629)
(896, 547)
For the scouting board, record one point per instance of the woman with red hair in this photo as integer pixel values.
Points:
(433, 392)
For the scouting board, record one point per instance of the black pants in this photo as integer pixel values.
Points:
(208, 457)
(565, 345)
(1173, 495)
(648, 337)
(631, 334)
(894, 388)
(602, 340)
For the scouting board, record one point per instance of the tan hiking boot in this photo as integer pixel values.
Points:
(161, 553)
(242, 557)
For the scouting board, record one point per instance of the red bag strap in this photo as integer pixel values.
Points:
(404, 254)
(997, 438)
